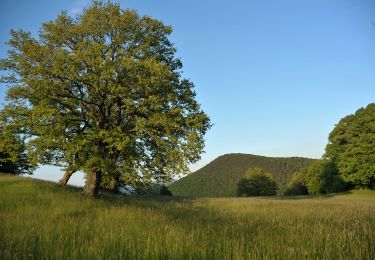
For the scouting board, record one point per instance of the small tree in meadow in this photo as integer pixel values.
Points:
(256, 182)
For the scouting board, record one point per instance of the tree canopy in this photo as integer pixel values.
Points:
(322, 177)
(13, 158)
(352, 147)
(257, 182)
(103, 92)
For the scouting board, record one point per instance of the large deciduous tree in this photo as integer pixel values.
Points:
(352, 147)
(103, 92)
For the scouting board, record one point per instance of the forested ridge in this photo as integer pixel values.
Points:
(220, 177)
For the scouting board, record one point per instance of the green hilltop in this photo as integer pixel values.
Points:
(220, 177)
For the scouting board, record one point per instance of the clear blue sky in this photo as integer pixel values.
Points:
(274, 76)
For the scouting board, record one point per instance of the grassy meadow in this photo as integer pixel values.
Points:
(39, 220)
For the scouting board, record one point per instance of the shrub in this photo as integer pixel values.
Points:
(297, 185)
(165, 191)
(257, 182)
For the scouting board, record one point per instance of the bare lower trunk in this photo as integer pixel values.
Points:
(92, 184)
(64, 180)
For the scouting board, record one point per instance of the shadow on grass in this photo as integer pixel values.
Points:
(114, 197)
(321, 196)
(142, 200)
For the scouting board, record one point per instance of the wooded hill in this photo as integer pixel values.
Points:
(220, 177)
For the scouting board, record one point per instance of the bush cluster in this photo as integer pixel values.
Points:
(257, 182)
(321, 177)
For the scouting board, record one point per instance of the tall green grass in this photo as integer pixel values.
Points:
(39, 220)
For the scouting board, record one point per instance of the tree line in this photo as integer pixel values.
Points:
(348, 162)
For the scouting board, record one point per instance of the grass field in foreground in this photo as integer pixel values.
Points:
(39, 220)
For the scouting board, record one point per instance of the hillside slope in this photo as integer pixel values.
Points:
(220, 177)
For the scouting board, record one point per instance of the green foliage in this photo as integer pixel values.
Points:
(111, 182)
(320, 177)
(221, 176)
(296, 185)
(352, 147)
(165, 191)
(39, 220)
(13, 158)
(256, 182)
(149, 189)
(103, 92)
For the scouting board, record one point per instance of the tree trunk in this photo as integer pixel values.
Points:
(64, 180)
(92, 184)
